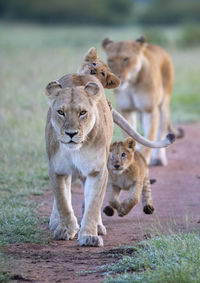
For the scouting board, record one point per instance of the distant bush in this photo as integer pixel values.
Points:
(189, 36)
(104, 12)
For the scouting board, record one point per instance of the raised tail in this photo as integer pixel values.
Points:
(124, 125)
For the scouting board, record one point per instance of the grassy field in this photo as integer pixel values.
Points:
(31, 57)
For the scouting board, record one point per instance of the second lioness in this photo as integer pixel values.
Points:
(127, 171)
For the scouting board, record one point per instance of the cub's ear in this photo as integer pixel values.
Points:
(52, 89)
(106, 42)
(112, 81)
(141, 39)
(91, 55)
(130, 144)
(92, 89)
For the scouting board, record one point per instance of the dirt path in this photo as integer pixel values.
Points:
(176, 197)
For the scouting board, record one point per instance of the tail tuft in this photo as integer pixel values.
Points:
(152, 181)
(171, 137)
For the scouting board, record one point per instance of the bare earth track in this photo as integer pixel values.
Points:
(176, 197)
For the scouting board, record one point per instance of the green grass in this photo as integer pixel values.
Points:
(32, 56)
(173, 258)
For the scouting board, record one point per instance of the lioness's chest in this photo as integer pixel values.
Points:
(86, 160)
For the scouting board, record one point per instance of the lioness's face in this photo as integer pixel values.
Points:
(121, 156)
(73, 113)
(93, 66)
(122, 57)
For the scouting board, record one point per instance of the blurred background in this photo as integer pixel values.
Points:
(41, 41)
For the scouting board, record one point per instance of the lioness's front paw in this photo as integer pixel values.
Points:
(63, 232)
(122, 211)
(148, 209)
(101, 230)
(93, 241)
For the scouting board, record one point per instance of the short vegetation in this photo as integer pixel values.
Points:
(173, 258)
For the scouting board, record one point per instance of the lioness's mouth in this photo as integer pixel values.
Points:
(68, 142)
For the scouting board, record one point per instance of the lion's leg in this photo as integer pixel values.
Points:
(146, 197)
(101, 229)
(54, 218)
(94, 193)
(113, 199)
(67, 226)
(150, 123)
(159, 155)
(135, 193)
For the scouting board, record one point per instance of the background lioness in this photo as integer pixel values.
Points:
(79, 130)
(147, 76)
(93, 65)
(127, 171)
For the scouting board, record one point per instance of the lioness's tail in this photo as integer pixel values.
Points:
(178, 132)
(124, 125)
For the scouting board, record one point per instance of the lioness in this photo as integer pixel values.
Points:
(147, 76)
(127, 171)
(78, 135)
(93, 65)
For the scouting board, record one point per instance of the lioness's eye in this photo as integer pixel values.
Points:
(123, 155)
(60, 112)
(126, 59)
(94, 64)
(83, 112)
(103, 74)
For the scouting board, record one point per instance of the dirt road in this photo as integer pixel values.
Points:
(176, 197)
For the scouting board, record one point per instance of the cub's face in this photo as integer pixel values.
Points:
(121, 156)
(73, 112)
(93, 66)
(123, 57)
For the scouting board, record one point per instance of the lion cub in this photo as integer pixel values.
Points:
(92, 65)
(127, 171)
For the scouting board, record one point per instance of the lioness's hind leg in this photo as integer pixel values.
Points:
(146, 197)
(159, 154)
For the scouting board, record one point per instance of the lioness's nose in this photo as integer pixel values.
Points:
(71, 134)
(117, 166)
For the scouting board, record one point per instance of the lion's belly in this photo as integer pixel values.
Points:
(130, 98)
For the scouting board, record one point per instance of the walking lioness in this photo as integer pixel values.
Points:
(147, 76)
(127, 171)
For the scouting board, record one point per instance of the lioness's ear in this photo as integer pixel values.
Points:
(52, 89)
(91, 55)
(106, 42)
(141, 39)
(92, 89)
(130, 143)
(112, 81)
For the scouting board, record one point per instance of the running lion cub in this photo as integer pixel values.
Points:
(127, 171)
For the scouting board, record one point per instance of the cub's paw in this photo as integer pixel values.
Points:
(148, 209)
(108, 210)
(101, 230)
(91, 241)
(63, 232)
(122, 211)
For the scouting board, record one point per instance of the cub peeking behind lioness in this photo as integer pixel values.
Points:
(127, 171)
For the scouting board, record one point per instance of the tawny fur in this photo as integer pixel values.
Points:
(127, 171)
(147, 76)
(93, 65)
(78, 135)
